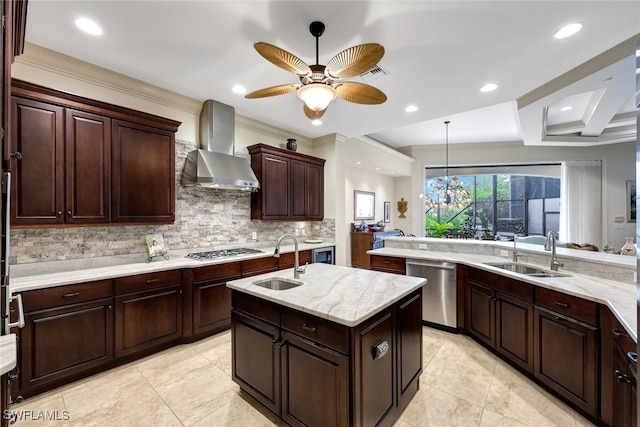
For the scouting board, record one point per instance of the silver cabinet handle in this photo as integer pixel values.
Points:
(20, 322)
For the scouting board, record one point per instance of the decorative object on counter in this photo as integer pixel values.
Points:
(631, 200)
(608, 248)
(291, 144)
(583, 246)
(447, 192)
(156, 246)
(364, 203)
(468, 231)
(387, 211)
(629, 248)
(402, 207)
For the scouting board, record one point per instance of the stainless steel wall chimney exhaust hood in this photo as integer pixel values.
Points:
(214, 164)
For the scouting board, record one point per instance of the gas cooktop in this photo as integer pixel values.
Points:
(223, 253)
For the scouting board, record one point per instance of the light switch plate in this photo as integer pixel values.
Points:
(618, 218)
(254, 235)
(422, 246)
(618, 226)
(504, 253)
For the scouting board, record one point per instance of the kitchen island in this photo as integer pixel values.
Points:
(343, 348)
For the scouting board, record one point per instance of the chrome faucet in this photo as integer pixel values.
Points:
(296, 263)
(547, 242)
(554, 259)
(515, 251)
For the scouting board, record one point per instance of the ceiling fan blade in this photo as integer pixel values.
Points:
(273, 91)
(283, 59)
(355, 60)
(360, 93)
(313, 115)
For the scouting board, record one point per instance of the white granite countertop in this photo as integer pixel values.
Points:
(618, 296)
(27, 277)
(8, 353)
(344, 295)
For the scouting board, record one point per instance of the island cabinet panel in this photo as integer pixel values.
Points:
(211, 299)
(566, 357)
(148, 311)
(143, 174)
(314, 383)
(256, 359)
(68, 333)
(619, 379)
(499, 314)
(291, 185)
(409, 345)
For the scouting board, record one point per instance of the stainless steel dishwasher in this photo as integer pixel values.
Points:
(439, 294)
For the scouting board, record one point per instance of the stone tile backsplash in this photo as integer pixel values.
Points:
(205, 218)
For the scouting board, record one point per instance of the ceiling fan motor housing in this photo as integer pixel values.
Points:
(316, 28)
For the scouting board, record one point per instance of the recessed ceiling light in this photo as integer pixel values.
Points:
(566, 108)
(316, 122)
(239, 89)
(357, 163)
(411, 108)
(88, 26)
(568, 30)
(488, 87)
(377, 169)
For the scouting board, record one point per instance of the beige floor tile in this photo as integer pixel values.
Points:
(466, 382)
(461, 350)
(242, 410)
(217, 350)
(491, 419)
(513, 396)
(204, 392)
(172, 368)
(152, 413)
(431, 343)
(91, 403)
(48, 410)
(434, 408)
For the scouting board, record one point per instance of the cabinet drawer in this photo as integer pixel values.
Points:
(505, 284)
(388, 263)
(621, 336)
(147, 281)
(287, 260)
(321, 331)
(64, 295)
(265, 310)
(253, 267)
(231, 269)
(578, 308)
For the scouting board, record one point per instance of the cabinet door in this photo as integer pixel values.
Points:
(298, 180)
(147, 319)
(143, 174)
(621, 390)
(275, 188)
(256, 359)
(211, 307)
(480, 313)
(514, 330)
(307, 191)
(88, 167)
(315, 384)
(60, 342)
(37, 132)
(565, 355)
(409, 346)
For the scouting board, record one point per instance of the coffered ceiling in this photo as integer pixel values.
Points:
(437, 56)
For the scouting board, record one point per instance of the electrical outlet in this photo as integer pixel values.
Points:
(422, 246)
(504, 253)
(618, 226)
(254, 235)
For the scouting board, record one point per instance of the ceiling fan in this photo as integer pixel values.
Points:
(321, 84)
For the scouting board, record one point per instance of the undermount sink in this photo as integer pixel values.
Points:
(527, 270)
(278, 283)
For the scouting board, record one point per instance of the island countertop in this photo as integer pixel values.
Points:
(344, 295)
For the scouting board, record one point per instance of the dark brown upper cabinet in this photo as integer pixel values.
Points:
(82, 161)
(291, 185)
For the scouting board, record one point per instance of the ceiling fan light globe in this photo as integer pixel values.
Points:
(317, 96)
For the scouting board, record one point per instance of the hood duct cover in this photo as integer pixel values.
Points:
(214, 164)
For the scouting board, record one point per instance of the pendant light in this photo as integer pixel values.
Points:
(447, 192)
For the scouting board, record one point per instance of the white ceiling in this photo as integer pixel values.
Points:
(438, 55)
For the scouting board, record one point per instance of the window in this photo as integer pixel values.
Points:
(501, 204)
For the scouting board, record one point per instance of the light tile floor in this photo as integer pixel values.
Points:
(463, 384)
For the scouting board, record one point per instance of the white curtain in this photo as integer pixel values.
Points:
(581, 202)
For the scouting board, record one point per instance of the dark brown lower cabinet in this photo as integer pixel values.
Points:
(314, 372)
(62, 341)
(211, 299)
(565, 358)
